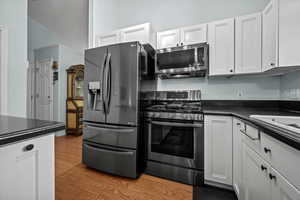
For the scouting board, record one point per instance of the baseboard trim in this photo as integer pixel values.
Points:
(218, 185)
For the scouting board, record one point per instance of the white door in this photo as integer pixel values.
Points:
(107, 39)
(218, 149)
(270, 35)
(248, 44)
(237, 156)
(194, 34)
(221, 42)
(168, 39)
(44, 90)
(255, 178)
(282, 189)
(139, 33)
(27, 170)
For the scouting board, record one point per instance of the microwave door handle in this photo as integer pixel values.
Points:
(177, 124)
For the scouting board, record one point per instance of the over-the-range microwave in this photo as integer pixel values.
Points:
(182, 62)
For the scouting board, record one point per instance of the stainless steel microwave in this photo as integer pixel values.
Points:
(182, 62)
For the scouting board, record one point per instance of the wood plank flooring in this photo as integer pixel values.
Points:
(74, 181)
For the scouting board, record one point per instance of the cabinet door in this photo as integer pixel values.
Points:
(237, 156)
(107, 39)
(194, 34)
(289, 31)
(248, 44)
(28, 173)
(256, 182)
(282, 189)
(139, 33)
(221, 42)
(168, 39)
(270, 36)
(218, 149)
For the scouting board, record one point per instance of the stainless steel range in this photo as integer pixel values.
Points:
(175, 135)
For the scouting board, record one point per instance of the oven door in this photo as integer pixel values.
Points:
(179, 143)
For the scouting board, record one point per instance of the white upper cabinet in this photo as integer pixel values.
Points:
(289, 32)
(182, 36)
(193, 34)
(248, 44)
(218, 149)
(270, 33)
(142, 33)
(221, 43)
(107, 39)
(139, 33)
(281, 32)
(168, 39)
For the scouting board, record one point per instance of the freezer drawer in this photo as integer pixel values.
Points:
(119, 136)
(110, 160)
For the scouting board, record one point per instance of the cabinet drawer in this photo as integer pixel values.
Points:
(282, 157)
(120, 136)
(251, 136)
(110, 159)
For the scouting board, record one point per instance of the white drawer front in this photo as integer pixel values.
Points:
(283, 158)
(251, 136)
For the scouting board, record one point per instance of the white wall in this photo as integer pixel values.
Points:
(67, 19)
(39, 36)
(166, 14)
(13, 16)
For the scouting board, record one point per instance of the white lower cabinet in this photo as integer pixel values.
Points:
(218, 149)
(237, 156)
(282, 189)
(256, 183)
(27, 170)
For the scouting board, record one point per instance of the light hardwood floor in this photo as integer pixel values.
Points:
(74, 181)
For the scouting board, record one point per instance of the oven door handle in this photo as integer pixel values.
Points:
(198, 125)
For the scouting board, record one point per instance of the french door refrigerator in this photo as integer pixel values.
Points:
(111, 110)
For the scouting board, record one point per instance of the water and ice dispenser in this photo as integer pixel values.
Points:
(95, 97)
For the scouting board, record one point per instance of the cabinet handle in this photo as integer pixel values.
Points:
(177, 44)
(238, 124)
(28, 147)
(231, 70)
(263, 168)
(181, 43)
(272, 64)
(271, 176)
(267, 150)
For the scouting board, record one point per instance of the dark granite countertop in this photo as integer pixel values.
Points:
(244, 112)
(13, 129)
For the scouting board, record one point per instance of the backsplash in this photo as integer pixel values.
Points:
(290, 86)
(223, 88)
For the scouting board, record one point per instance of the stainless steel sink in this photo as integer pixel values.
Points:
(285, 122)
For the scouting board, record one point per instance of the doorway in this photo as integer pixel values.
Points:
(44, 90)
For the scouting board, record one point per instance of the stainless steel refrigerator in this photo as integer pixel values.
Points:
(111, 136)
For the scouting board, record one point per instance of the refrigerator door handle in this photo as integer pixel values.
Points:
(109, 85)
(103, 77)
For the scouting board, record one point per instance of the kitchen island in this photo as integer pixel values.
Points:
(27, 158)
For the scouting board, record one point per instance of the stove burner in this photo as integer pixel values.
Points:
(176, 107)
